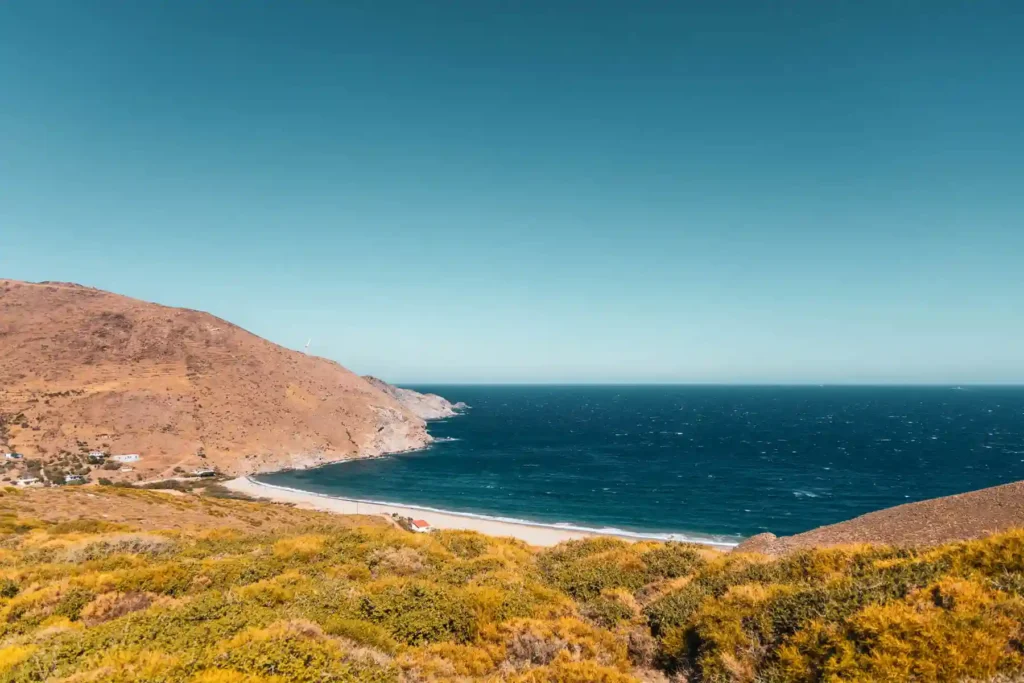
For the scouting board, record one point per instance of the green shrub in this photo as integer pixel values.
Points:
(363, 633)
(419, 612)
(585, 568)
(671, 561)
(465, 544)
(8, 588)
(606, 611)
(72, 602)
(297, 651)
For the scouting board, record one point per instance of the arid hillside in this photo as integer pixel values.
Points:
(962, 517)
(85, 370)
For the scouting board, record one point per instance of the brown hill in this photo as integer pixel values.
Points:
(929, 522)
(82, 369)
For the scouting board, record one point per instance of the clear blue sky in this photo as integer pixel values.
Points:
(484, 191)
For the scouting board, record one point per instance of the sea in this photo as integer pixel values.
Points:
(700, 463)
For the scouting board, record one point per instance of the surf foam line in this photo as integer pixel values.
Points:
(700, 539)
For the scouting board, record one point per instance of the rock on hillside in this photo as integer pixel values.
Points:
(929, 522)
(426, 406)
(82, 369)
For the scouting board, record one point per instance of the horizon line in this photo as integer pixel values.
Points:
(951, 385)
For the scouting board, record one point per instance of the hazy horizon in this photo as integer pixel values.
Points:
(753, 194)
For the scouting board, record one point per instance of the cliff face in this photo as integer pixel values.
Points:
(426, 406)
(82, 369)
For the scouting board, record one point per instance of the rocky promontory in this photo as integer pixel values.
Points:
(425, 406)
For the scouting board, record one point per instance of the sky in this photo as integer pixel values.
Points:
(477, 191)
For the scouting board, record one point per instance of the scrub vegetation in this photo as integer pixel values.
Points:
(290, 595)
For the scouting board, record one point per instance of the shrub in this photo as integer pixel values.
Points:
(565, 670)
(8, 588)
(363, 633)
(954, 631)
(113, 605)
(641, 648)
(72, 602)
(134, 544)
(450, 661)
(419, 612)
(532, 642)
(398, 561)
(585, 568)
(168, 485)
(13, 655)
(607, 610)
(301, 547)
(296, 651)
(464, 544)
(671, 560)
(272, 592)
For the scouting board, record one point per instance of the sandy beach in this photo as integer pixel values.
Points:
(537, 535)
(534, 535)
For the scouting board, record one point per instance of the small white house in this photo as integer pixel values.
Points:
(97, 456)
(420, 526)
(203, 472)
(130, 457)
(13, 456)
(28, 481)
(74, 479)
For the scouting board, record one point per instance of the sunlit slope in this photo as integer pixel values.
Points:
(85, 370)
(121, 584)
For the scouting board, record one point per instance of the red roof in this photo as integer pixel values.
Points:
(419, 523)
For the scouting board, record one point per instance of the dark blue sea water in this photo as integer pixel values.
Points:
(728, 461)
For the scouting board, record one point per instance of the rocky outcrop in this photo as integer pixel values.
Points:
(426, 406)
(82, 369)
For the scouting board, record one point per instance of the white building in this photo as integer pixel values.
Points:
(74, 479)
(97, 455)
(13, 456)
(420, 526)
(28, 481)
(130, 457)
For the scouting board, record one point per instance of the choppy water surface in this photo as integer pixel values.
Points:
(727, 461)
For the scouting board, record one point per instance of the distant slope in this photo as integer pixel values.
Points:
(84, 369)
(426, 406)
(929, 522)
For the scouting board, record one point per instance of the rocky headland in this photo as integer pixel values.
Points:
(84, 370)
(425, 406)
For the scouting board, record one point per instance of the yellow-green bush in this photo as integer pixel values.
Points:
(296, 651)
(362, 633)
(417, 612)
(97, 601)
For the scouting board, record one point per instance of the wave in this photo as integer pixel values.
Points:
(687, 537)
(445, 439)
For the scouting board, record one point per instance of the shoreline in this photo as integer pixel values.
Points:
(536, 534)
